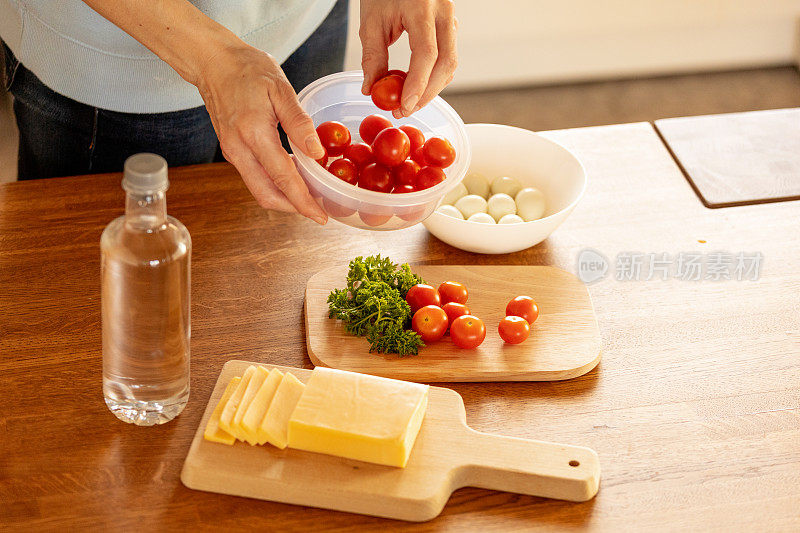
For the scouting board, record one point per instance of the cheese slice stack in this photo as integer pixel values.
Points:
(276, 422)
(213, 432)
(357, 416)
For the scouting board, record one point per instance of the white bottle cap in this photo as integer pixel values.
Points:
(145, 173)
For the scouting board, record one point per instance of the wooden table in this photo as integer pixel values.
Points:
(693, 409)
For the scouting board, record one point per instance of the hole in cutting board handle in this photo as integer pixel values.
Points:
(574, 463)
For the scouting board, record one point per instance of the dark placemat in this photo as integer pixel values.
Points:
(738, 158)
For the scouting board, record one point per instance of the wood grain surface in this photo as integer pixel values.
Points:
(693, 411)
(447, 455)
(564, 341)
(738, 158)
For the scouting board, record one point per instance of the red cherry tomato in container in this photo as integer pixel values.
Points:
(386, 92)
(419, 157)
(514, 329)
(452, 291)
(421, 295)
(375, 177)
(391, 147)
(525, 307)
(455, 310)
(374, 219)
(430, 322)
(439, 152)
(345, 170)
(401, 189)
(335, 209)
(360, 154)
(334, 137)
(323, 161)
(405, 173)
(371, 126)
(427, 177)
(467, 331)
(414, 135)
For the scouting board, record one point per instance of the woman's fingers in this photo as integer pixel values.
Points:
(295, 121)
(374, 51)
(266, 145)
(258, 182)
(421, 30)
(447, 60)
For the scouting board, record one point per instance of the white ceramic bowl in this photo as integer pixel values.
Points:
(536, 162)
(338, 97)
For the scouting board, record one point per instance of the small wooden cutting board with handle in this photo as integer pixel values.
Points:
(446, 456)
(564, 342)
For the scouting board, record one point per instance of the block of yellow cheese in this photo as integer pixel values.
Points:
(357, 416)
(276, 421)
(251, 423)
(229, 411)
(258, 378)
(213, 432)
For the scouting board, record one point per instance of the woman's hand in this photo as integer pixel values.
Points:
(247, 95)
(431, 27)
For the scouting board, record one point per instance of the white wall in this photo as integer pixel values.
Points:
(513, 42)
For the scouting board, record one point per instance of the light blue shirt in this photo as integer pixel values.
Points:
(79, 54)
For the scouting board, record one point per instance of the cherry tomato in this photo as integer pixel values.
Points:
(455, 310)
(405, 173)
(400, 189)
(439, 152)
(427, 177)
(334, 137)
(336, 210)
(514, 329)
(345, 170)
(401, 73)
(386, 92)
(323, 161)
(371, 126)
(360, 154)
(391, 147)
(374, 219)
(375, 177)
(413, 215)
(525, 307)
(452, 291)
(418, 157)
(430, 322)
(414, 135)
(467, 331)
(421, 295)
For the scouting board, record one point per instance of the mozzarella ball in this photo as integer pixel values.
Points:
(511, 219)
(482, 218)
(477, 184)
(506, 185)
(471, 204)
(530, 204)
(453, 196)
(450, 211)
(500, 205)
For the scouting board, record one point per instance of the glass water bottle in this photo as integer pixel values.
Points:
(145, 263)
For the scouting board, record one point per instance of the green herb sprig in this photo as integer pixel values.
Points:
(373, 305)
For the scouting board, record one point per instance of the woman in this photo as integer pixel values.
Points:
(87, 94)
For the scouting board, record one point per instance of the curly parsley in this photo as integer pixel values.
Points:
(373, 305)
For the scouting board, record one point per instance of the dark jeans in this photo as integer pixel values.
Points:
(61, 137)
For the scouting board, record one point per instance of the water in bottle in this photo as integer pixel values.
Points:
(145, 264)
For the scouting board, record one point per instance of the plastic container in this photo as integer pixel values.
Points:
(338, 97)
(534, 161)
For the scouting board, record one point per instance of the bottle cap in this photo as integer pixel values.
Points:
(145, 173)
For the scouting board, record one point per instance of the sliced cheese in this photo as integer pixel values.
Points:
(251, 422)
(213, 432)
(255, 383)
(357, 416)
(276, 421)
(229, 411)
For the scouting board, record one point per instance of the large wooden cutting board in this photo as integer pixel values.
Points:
(564, 341)
(446, 456)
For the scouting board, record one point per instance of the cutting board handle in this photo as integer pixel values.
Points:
(528, 467)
